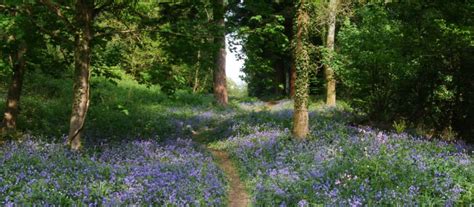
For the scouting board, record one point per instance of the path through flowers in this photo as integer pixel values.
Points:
(237, 195)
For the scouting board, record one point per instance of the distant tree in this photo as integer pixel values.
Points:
(14, 90)
(265, 30)
(300, 116)
(29, 34)
(328, 70)
(326, 14)
(17, 48)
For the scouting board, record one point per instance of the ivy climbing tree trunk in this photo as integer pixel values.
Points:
(14, 90)
(328, 70)
(82, 60)
(300, 116)
(220, 82)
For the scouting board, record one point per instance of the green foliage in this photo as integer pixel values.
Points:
(408, 60)
(265, 30)
(236, 91)
(399, 126)
(17, 28)
(186, 61)
(118, 110)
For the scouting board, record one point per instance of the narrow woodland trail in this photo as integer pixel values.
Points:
(238, 196)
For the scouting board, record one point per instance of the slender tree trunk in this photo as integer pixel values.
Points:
(300, 116)
(14, 90)
(292, 78)
(220, 82)
(196, 73)
(82, 61)
(328, 71)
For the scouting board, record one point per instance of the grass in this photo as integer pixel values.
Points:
(117, 111)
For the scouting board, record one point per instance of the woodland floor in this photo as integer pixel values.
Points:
(243, 155)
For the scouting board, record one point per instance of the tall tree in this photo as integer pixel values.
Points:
(300, 116)
(82, 28)
(328, 70)
(24, 45)
(220, 83)
(82, 61)
(15, 42)
(14, 90)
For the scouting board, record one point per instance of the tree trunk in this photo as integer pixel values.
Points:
(292, 78)
(328, 71)
(82, 60)
(300, 116)
(14, 90)
(220, 82)
(196, 72)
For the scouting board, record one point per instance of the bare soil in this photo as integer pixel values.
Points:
(237, 195)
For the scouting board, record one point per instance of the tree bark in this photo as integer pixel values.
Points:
(328, 71)
(82, 60)
(220, 82)
(300, 116)
(14, 90)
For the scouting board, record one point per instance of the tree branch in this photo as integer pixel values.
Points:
(4, 7)
(101, 8)
(52, 34)
(56, 10)
(112, 32)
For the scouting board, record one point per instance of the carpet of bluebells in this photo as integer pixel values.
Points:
(339, 164)
(130, 173)
(344, 165)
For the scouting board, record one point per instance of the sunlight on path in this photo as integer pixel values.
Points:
(238, 197)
